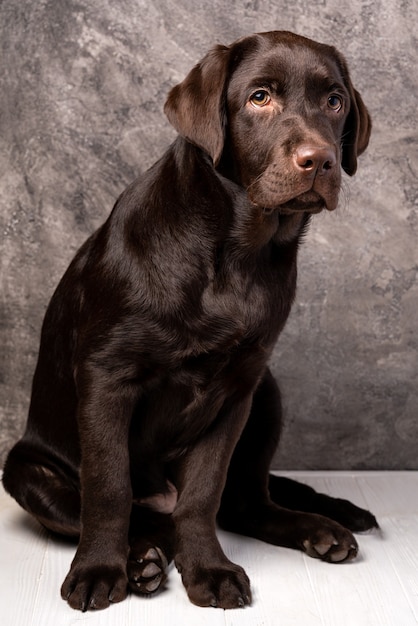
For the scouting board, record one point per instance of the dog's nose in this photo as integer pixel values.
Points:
(313, 160)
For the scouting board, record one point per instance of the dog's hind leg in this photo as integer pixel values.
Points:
(299, 497)
(283, 512)
(44, 488)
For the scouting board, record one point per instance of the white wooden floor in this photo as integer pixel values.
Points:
(379, 588)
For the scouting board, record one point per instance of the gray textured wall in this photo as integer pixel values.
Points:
(82, 89)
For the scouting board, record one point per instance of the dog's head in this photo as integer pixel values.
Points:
(279, 114)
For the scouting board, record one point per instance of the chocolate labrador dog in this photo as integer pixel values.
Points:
(153, 411)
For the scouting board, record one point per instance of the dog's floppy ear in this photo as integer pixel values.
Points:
(196, 106)
(357, 127)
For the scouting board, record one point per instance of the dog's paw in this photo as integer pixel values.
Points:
(147, 572)
(332, 543)
(220, 587)
(92, 588)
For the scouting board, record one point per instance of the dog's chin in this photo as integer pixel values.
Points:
(307, 202)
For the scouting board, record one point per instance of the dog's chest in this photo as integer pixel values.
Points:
(187, 399)
(219, 350)
(251, 301)
(242, 311)
(239, 309)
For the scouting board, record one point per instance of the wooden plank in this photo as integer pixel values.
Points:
(22, 551)
(401, 549)
(395, 499)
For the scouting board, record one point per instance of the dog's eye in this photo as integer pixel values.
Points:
(260, 98)
(335, 102)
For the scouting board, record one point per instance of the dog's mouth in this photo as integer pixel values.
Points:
(309, 202)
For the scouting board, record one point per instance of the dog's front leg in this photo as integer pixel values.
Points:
(98, 572)
(209, 577)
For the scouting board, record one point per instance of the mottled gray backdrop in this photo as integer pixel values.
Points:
(83, 85)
